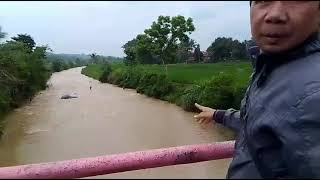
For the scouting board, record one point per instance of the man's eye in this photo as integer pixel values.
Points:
(260, 2)
(257, 2)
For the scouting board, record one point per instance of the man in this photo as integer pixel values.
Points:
(278, 125)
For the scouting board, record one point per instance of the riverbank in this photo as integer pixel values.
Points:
(12, 97)
(24, 70)
(219, 85)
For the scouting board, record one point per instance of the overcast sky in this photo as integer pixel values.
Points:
(103, 27)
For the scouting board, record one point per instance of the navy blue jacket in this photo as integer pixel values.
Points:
(278, 125)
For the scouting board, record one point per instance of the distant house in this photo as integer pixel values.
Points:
(207, 57)
(191, 60)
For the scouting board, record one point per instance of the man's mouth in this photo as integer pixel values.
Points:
(275, 37)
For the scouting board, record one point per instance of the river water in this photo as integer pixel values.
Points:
(104, 120)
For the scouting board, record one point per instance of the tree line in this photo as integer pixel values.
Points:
(64, 61)
(167, 41)
(99, 59)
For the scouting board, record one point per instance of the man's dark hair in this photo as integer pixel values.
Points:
(251, 3)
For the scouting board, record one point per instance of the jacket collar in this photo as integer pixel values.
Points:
(309, 46)
(266, 63)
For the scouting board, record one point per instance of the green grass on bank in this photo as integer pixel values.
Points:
(187, 73)
(193, 73)
(94, 71)
(218, 85)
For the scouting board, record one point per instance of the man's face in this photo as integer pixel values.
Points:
(278, 26)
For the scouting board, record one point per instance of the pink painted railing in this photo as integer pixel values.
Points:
(94, 166)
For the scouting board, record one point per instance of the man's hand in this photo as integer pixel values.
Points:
(206, 115)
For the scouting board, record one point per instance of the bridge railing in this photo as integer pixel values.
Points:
(93, 166)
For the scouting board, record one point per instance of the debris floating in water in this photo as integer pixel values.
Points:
(30, 132)
(68, 96)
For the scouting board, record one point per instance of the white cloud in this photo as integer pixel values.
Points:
(104, 26)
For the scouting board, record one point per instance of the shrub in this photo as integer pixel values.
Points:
(218, 92)
(106, 72)
(116, 76)
(154, 85)
(132, 78)
(190, 96)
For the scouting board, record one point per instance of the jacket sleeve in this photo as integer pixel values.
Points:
(229, 118)
(299, 133)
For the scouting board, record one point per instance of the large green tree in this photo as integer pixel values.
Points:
(129, 50)
(146, 50)
(26, 39)
(165, 34)
(166, 41)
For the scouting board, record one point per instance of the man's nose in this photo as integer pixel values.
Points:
(277, 13)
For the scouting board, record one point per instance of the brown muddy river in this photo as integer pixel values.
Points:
(105, 120)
